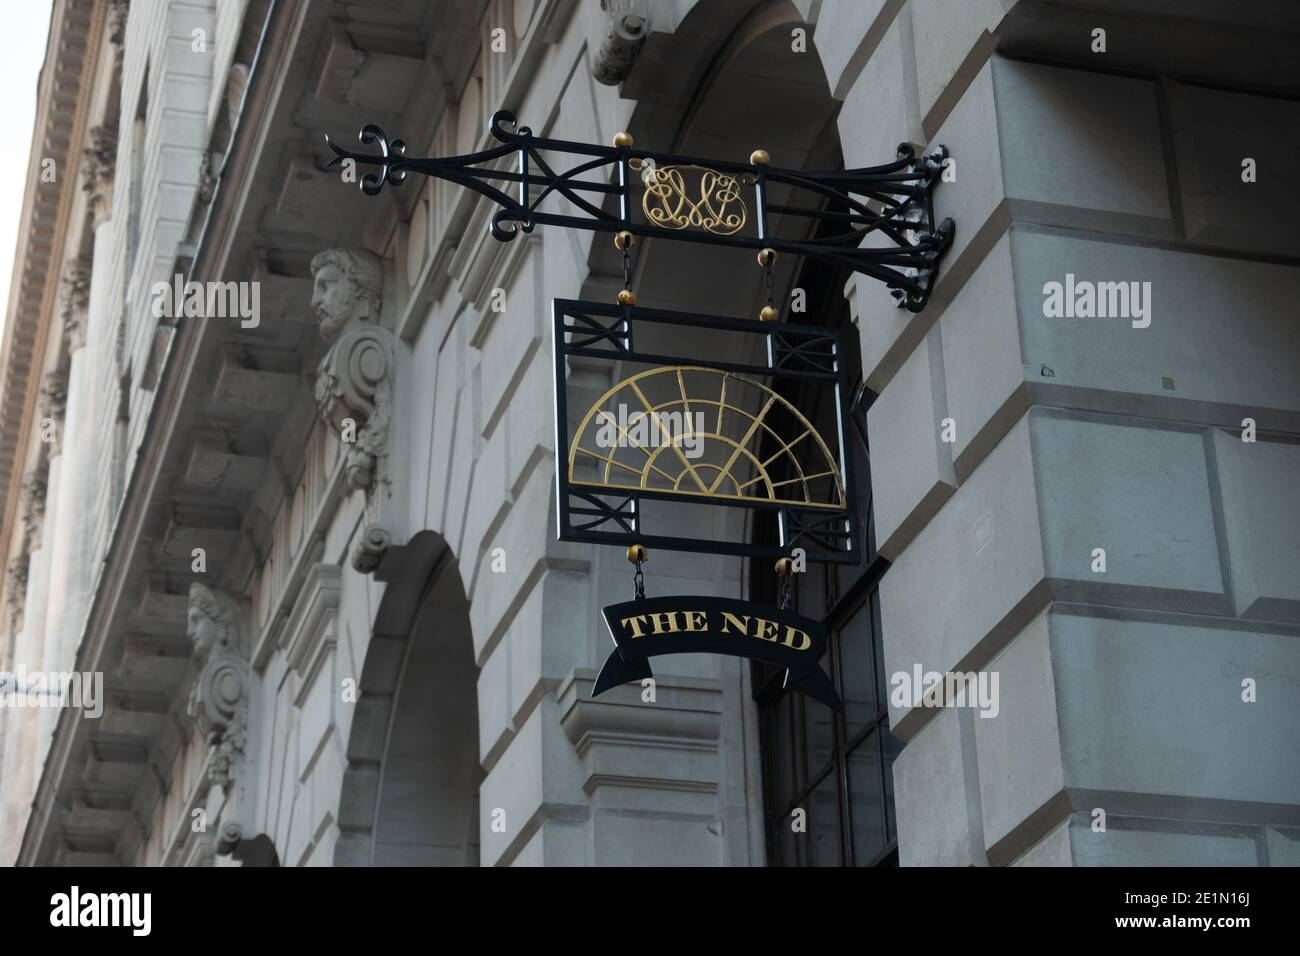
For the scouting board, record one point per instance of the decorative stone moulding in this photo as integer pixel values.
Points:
(34, 490)
(98, 164)
(629, 25)
(371, 549)
(16, 586)
(76, 298)
(54, 394)
(117, 14)
(219, 702)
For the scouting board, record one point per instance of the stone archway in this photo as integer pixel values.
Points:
(410, 792)
(753, 92)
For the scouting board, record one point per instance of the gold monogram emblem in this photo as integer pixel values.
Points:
(667, 201)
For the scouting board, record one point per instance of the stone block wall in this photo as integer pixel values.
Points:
(1156, 689)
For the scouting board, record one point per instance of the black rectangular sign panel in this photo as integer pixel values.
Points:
(666, 437)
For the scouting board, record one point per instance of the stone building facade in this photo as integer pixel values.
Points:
(311, 550)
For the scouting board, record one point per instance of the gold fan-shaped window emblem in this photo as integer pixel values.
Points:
(703, 433)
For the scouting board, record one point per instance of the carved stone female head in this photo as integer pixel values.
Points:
(210, 625)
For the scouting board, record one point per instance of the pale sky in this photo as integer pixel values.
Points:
(22, 50)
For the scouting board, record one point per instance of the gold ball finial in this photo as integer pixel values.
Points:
(759, 157)
(784, 566)
(768, 314)
(637, 554)
(623, 140)
(624, 240)
(626, 297)
(767, 257)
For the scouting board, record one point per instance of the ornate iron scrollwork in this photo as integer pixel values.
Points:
(695, 200)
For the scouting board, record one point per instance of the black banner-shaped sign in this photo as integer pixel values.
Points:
(650, 627)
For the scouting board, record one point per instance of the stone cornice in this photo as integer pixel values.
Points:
(61, 112)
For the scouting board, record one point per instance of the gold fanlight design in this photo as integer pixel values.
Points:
(726, 436)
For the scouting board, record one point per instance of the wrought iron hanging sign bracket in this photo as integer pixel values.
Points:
(827, 215)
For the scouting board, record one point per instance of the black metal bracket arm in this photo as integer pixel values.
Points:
(696, 200)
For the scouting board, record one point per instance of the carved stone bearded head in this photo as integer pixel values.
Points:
(348, 284)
